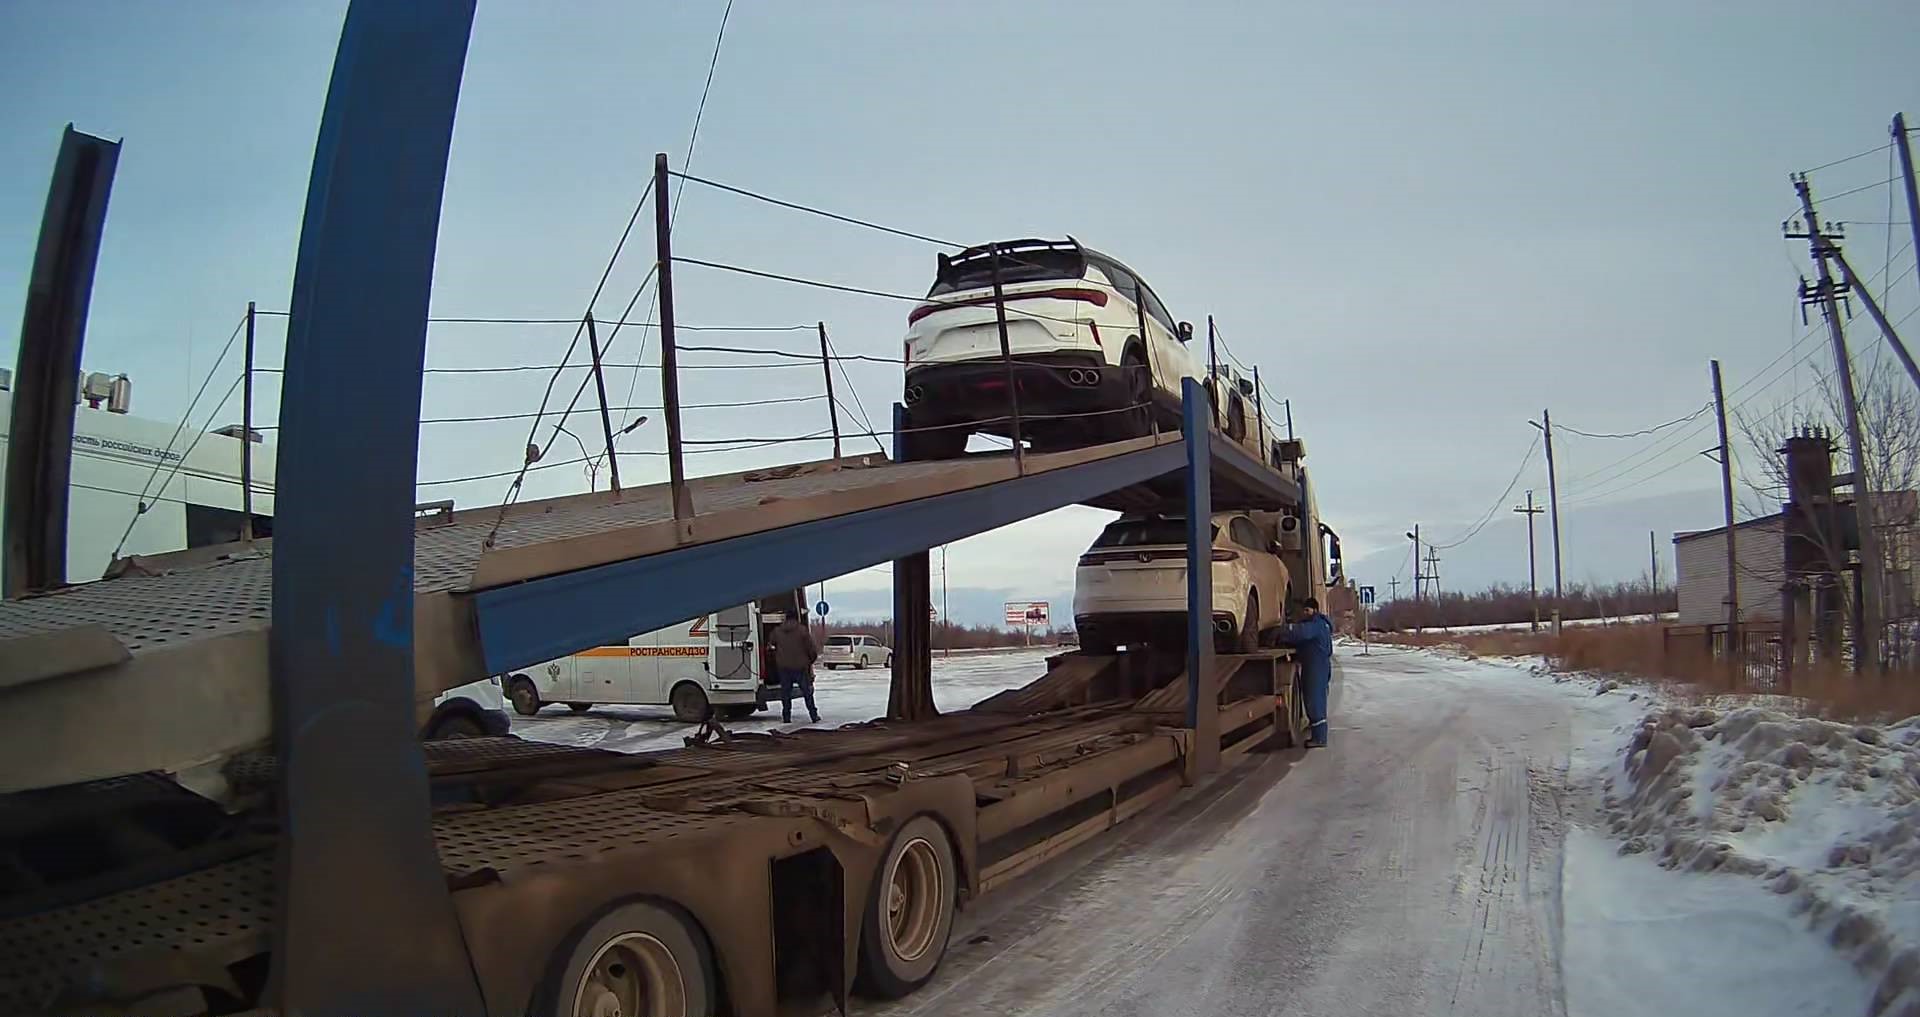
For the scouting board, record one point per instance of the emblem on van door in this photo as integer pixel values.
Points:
(1144, 557)
(553, 670)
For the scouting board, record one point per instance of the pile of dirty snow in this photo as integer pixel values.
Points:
(1826, 812)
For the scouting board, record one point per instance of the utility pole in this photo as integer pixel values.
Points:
(1545, 424)
(669, 355)
(1852, 283)
(1533, 585)
(246, 433)
(1734, 643)
(1866, 645)
(833, 408)
(1906, 173)
(1393, 588)
(1414, 535)
(1433, 572)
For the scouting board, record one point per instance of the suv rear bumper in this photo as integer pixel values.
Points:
(970, 390)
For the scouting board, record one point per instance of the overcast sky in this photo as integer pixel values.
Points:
(1423, 221)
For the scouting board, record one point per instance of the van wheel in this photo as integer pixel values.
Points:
(579, 707)
(638, 959)
(526, 698)
(739, 712)
(689, 703)
(909, 912)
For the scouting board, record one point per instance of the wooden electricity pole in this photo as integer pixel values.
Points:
(1866, 636)
(1726, 499)
(1545, 424)
(1533, 584)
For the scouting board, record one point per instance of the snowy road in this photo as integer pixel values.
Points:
(1413, 868)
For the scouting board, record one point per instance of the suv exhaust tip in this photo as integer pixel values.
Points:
(1224, 626)
(914, 394)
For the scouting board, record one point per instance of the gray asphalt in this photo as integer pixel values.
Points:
(1411, 868)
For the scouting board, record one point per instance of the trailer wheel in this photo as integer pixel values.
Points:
(689, 702)
(579, 707)
(1290, 732)
(526, 698)
(638, 960)
(910, 911)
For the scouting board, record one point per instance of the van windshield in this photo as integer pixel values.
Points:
(1145, 532)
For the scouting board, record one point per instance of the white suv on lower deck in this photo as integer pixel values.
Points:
(1095, 354)
(1131, 586)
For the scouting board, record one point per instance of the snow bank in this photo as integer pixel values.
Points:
(1826, 813)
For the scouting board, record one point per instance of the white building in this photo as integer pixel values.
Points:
(194, 494)
(1700, 560)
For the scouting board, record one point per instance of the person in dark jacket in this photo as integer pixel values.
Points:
(1312, 640)
(794, 652)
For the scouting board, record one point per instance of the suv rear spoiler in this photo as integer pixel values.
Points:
(983, 253)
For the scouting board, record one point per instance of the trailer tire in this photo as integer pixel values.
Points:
(456, 724)
(1290, 731)
(526, 698)
(689, 702)
(579, 707)
(909, 913)
(638, 958)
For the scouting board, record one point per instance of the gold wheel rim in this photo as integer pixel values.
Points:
(632, 975)
(914, 901)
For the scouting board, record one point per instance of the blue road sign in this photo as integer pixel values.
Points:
(820, 609)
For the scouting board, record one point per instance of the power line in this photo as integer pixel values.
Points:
(1643, 431)
(474, 320)
(1857, 155)
(178, 428)
(743, 192)
(1498, 503)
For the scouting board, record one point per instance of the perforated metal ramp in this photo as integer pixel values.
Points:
(496, 591)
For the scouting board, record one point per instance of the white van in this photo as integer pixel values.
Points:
(470, 711)
(691, 665)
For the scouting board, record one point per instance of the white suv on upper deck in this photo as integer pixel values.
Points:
(1094, 351)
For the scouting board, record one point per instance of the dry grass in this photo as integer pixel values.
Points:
(1638, 652)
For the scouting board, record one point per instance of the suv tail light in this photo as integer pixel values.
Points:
(906, 353)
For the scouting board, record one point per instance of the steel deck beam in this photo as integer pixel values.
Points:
(542, 619)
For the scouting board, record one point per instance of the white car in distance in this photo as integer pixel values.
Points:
(1095, 355)
(1131, 585)
(857, 652)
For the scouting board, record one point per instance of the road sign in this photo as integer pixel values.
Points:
(1366, 594)
(820, 609)
(1027, 612)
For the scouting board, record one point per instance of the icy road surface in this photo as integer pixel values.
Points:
(1416, 867)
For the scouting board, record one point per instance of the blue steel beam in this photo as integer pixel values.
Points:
(357, 863)
(1200, 706)
(543, 619)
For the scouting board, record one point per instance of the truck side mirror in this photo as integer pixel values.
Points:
(1185, 331)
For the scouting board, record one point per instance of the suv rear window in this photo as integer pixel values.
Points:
(1145, 533)
(839, 640)
(1020, 261)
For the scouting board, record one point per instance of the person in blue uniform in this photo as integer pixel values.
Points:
(1312, 640)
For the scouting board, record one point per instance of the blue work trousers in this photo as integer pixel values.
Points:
(790, 677)
(1314, 683)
